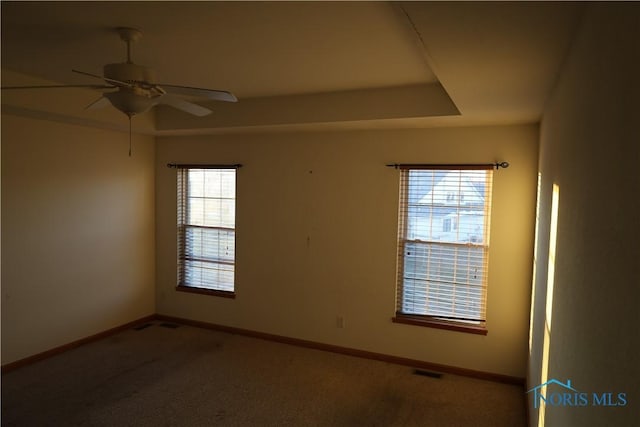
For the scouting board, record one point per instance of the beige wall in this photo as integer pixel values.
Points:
(590, 148)
(316, 238)
(77, 233)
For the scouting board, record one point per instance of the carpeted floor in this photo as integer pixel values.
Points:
(185, 376)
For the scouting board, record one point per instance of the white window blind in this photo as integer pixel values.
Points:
(443, 243)
(206, 228)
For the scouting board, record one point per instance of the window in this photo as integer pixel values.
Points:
(206, 230)
(443, 247)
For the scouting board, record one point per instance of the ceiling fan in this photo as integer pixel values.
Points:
(131, 88)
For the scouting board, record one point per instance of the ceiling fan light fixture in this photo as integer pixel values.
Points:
(131, 103)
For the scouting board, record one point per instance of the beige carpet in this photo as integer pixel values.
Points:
(185, 376)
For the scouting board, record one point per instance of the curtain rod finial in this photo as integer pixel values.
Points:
(503, 165)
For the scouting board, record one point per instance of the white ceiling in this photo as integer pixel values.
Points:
(370, 63)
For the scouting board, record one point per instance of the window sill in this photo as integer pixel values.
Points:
(204, 291)
(431, 322)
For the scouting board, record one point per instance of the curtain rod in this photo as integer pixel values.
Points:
(444, 166)
(207, 166)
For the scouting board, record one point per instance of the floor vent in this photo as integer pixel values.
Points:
(143, 326)
(427, 373)
(169, 325)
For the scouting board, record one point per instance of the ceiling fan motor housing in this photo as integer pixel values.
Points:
(129, 72)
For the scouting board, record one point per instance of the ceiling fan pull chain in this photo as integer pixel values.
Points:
(129, 134)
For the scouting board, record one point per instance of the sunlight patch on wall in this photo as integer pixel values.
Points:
(555, 200)
(552, 251)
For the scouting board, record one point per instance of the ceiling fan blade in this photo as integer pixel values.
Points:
(98, 103)
(187, 107)
(58, 87)
(216, 95)
(106, 79)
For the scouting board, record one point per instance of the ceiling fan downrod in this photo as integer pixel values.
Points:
(128, 35)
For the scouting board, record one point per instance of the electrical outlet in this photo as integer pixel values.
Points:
(340, 322)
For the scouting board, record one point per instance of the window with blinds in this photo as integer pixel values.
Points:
(206, 228)
(443, 244)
